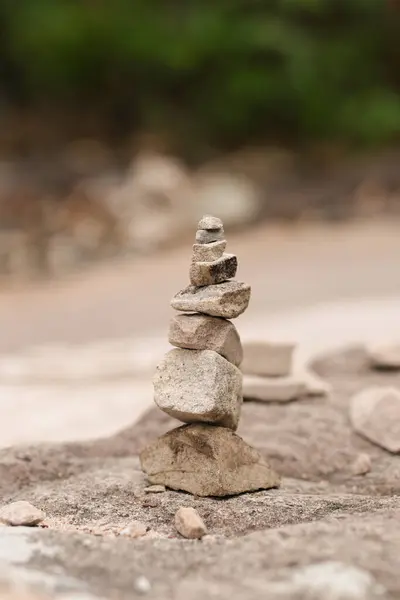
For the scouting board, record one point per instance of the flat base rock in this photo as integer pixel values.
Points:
(201, 332)
(211, 273)
(273, 389)
(206, 461)
(269, 359)
(199, 385)
(227, 300)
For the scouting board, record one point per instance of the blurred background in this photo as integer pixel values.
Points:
(122, 122)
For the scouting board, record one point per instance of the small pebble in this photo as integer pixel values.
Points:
(142, 585)
(208, 222)
(189, 523)
(135, 529)
(151, 502)
(155, 489)
(21, 513)
(362, 464)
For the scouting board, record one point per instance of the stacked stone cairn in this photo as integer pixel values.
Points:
(200, 384)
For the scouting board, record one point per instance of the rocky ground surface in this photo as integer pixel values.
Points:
(326, 533)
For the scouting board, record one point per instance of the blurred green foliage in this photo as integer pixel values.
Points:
(216, 71)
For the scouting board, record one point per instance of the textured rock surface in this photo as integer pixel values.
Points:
(21, 513)
(201, 332)
(207, 237)
(375, 414)
(206, 461)
(210, 273)
(199, 385)
(273, 389)
(208, 222)
(189, 523)
(265, 358)
(227, 300)
(208, 252)
(385, 357)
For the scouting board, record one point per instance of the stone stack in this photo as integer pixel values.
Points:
(199, 382)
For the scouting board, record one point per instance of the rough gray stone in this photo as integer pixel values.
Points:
(206, 461)
(189, 523)
(227, 300)
(208, 237)
(208, 252)
(273, 389)
(21, 513)
(201, 332)
(210, 273)
(199, 385)
(269, 359)
(375, 414)
(209, 222)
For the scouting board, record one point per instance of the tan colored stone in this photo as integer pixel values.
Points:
(199, 386)
(206, 461)
(385, 356)
(273, 389)
(362, 464)
(209, 222)
(227, 300)
(136, 529)
(375, 414)
(210, 273)
(269, 359)
(208, 237)
(208, 252)
(21, 513)
(201, 332)
(154, 489)
(189, 523)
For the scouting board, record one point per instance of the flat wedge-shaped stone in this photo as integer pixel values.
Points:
(199, 386)
(200, 332)
(210, 273)
(204, 236)
(209, 222)
(227, 300)
(206, 461)
(269, 359)
(375, 414)
(273, 389)
(208, 252)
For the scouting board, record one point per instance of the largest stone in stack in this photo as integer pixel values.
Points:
(199, 382)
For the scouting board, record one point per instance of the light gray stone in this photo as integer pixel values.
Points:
(210, 273)
(206, 461)
(273, 389)
(21, 513)
(227, 300)
(199, 386)
(208, 237)
(154, 489)
(209, 222)
(201, 332)
(208, 252)
(189, 523)
(375, 414)
(270, 359)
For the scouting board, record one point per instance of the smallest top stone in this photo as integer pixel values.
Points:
(210, 223)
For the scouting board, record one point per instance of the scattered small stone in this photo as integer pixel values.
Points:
(151, 502)
(155, 489)
(142, 585)
(201, 332)
(208, 252)
(206, 461)
(385, 357)
(315, 385)
(208, 237)
(273, 389)
(375, 414)
(135, 529)
(362, 464)
(211, 273)
(267, 359)
(199, 386)
(189, 523)
(227, 300)
(208, 222)
(21, 513)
